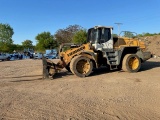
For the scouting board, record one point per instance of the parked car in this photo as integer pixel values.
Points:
(51, 56)
(37, 55)
(4, 56)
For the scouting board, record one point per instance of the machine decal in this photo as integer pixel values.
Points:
(75, 51)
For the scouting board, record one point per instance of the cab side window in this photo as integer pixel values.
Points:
(106, 34)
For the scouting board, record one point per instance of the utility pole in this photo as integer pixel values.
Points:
(118, 27)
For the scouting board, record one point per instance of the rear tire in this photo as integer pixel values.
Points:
(131, 63)
(81, 66)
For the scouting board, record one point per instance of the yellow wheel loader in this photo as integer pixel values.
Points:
(101, 49)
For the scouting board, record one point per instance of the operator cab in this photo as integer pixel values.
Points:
(101, 38)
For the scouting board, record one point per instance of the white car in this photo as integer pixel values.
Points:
(4, 56)
(37, 55)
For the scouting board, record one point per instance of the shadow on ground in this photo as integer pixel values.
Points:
(35, 79)
(26, 76)
(62, 74)
(30, 78)
(101, 70)
(149, 65)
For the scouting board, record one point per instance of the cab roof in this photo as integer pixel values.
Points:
(101, 26)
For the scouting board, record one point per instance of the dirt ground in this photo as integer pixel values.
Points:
(105, 95)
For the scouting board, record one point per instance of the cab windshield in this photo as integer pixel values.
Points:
(99, 35)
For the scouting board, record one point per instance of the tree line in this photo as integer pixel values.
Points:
(45, 40)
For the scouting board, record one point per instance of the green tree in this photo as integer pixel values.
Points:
(115, 35)
(16, 47)
(128, 34)
(147, 34)
(6, 32)
(66, 35)
(4, 47)
(80, 37)
(27, 44)
(45, 41)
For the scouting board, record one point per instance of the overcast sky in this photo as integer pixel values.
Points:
(30, 17)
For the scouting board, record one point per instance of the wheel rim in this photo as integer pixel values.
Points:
(83, 66)
(133, 63)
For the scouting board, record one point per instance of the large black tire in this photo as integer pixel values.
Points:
(81, 66)
(131, 63)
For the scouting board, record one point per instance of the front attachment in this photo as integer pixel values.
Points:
(50, 68)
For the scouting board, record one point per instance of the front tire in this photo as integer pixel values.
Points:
(131, 63)
(81, 66)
